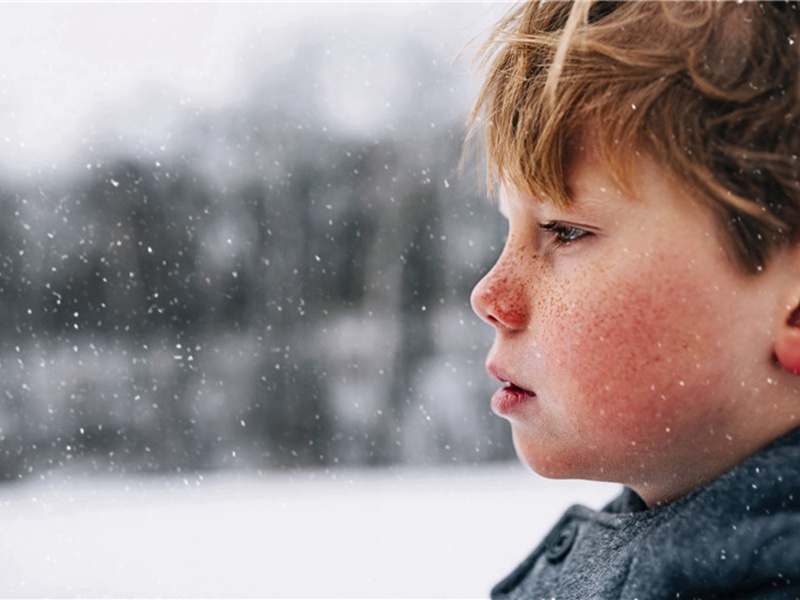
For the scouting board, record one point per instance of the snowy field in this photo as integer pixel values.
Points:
(399, 533)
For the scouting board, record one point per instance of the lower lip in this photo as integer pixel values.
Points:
(508, 399)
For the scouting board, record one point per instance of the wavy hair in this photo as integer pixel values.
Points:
(711, 89)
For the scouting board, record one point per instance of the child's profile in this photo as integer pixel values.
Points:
(646, 304)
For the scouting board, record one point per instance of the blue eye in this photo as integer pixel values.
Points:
(564, 234)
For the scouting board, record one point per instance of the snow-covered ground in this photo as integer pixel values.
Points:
(399, 533)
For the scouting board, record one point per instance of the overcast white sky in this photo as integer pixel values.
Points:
(59, 62)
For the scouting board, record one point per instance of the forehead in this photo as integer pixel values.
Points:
(589, 181)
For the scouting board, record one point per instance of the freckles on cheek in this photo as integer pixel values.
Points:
(619, 351)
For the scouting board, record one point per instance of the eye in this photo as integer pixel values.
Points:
(563, 233)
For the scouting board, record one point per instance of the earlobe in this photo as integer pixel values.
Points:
(787, 347)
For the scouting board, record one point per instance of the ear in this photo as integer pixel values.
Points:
(787, 346)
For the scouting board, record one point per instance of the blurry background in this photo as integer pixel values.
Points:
(237, 237)
(237, 251)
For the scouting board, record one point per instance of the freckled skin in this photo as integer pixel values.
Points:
(647, 350)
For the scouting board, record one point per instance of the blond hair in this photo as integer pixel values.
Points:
(711, 89)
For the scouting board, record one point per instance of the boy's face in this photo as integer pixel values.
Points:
(630, 347)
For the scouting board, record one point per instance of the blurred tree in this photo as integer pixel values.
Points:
(273, 291)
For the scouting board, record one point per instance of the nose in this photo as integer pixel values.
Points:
(500, 298)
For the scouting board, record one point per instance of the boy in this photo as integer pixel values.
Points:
(646, 304)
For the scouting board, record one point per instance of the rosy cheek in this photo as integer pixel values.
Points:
(620, 351)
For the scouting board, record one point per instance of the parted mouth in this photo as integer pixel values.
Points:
(507, 381)
(516, 388)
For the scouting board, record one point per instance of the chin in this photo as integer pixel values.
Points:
(539, 460)
(545, 461)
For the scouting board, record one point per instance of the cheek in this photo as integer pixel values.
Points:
(629, 354)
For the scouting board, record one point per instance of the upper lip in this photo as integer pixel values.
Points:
(503, 377)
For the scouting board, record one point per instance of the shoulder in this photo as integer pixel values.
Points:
(737, 552)
(742, 532)
(738, 537)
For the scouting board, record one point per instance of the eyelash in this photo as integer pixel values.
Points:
(564, 234)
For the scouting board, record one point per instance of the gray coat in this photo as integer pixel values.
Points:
(737, 537)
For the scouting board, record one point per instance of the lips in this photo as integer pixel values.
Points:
(516, 389)
(503, 377)
(511, 396)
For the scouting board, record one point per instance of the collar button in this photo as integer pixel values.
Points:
(561, 542)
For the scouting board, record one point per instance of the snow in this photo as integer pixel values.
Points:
(398, 533)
